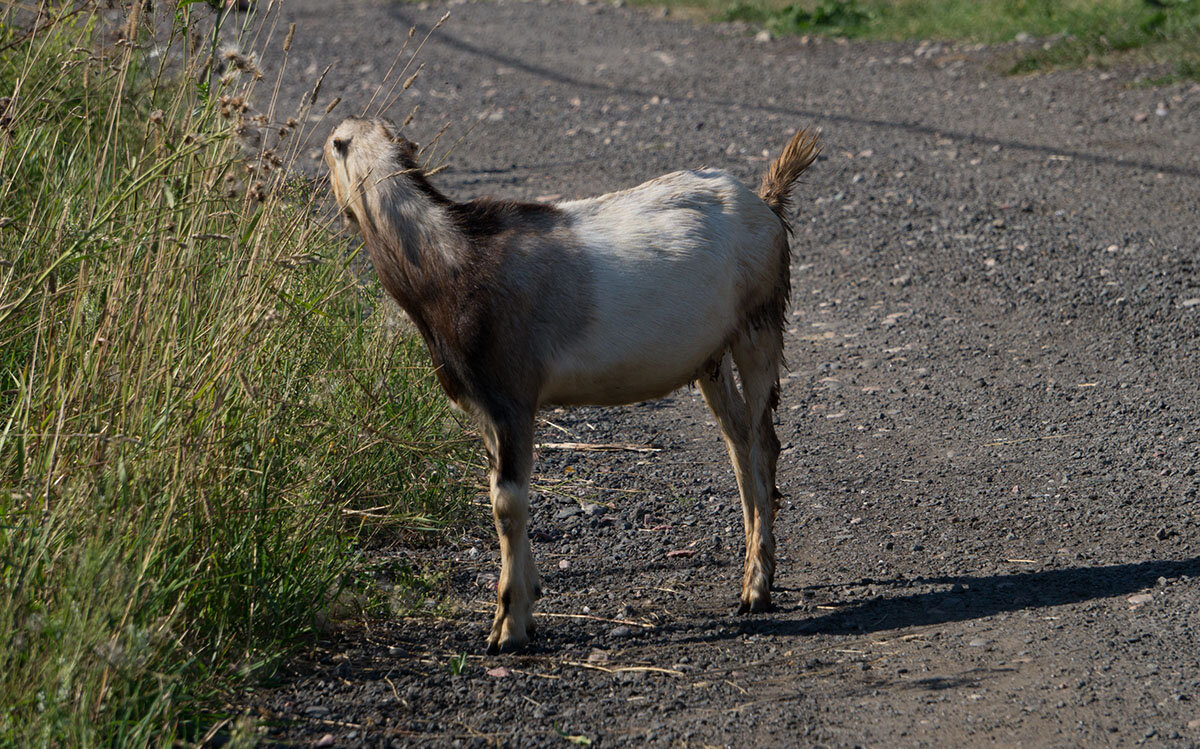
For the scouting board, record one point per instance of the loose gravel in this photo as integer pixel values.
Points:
(989, 423)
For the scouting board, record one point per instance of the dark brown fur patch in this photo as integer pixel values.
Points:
(493, 297)
(485, 217)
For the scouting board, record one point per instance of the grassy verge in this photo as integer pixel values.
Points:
(200, 423)
(1080, 32)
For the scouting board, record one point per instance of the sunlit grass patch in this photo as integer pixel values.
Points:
(1073, 32)
(201, 422)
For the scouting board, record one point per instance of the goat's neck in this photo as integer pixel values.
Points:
(414, 243)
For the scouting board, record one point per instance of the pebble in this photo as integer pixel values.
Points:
(1141, 598)
(621, 631)
(326, 740)
(316, 711)
(978, 642)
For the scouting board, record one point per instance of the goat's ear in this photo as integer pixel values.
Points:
(341, 147)
(408, 149)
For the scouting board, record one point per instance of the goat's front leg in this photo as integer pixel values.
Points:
(510, 454)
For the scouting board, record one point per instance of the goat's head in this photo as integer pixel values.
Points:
(362, 151)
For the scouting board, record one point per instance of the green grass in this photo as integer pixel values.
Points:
(1080, 32)
(201, 425)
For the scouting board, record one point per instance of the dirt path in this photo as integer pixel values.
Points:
(990, 423)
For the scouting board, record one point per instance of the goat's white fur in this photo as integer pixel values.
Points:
(674, 263)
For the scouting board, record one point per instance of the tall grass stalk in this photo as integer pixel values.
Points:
(196, 405)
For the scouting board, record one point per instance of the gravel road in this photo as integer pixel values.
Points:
(989, 422)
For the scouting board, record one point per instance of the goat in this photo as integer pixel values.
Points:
(608, 300)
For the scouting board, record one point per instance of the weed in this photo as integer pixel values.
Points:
(578, 739)
(201, 423)
(457, 663)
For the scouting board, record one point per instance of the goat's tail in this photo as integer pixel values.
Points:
(776, 190)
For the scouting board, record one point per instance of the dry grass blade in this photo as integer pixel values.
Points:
(595, 618)
(412, 30)
(392, 100)
(624, 669)
(598, 447)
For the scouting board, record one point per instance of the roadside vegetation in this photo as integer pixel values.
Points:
(1072, 33)
(201, 422)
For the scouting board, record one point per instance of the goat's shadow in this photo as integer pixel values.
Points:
(967, 597)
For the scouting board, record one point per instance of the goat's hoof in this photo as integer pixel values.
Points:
(508, 637)
(496, 645)
(756, 605)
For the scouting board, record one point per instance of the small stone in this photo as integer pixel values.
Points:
(764, 36)
(621, 631)
(1023, 37)
(1190, 302)
(568, 512)
(1140, 599)
(326, 740)
(499, 672)
(597, 656)
(1140, 117)
(978, 642)
(1194, 723)
(564, 564)
(316, 711)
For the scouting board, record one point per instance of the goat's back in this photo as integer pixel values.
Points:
(674, 267)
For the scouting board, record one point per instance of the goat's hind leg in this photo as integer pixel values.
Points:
(720, 391)
(759, 353)
(509, 442)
